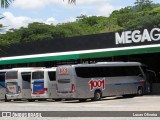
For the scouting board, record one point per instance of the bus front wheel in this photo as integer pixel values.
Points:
(97, 95)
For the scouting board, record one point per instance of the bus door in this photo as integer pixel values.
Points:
(64, 85)
(2, 85)
(38, 83)
(26, 81)
(151, 77)
(52, 83)
(147, 85)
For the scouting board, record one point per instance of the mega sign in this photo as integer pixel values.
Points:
(137, 36)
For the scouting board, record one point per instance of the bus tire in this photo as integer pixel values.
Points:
(6, 100)
(82, 100)
(140, 91)
(97, 95)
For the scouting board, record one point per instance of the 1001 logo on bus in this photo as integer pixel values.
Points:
(97, 84)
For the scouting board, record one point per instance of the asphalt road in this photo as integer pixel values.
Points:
(142, 103)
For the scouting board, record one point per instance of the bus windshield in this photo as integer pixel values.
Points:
(38, 75)
(12, 75)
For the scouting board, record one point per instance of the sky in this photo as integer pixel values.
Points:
(22, 12)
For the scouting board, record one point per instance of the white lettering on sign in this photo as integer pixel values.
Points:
(97, 84)
(137, 36)
(63, 70)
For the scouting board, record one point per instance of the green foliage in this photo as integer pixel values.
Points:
(5, 3)
(143, 4)
(144, 14)
(146, 21)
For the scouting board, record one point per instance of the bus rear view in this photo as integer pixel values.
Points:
(18, 84)
(65, 83)
(37, 83)
(13, 89)
(44, 84)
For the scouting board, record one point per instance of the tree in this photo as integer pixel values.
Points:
(143, 4)
(71, 1)
(1, 17)
(5, 3)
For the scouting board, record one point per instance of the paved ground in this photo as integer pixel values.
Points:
(143, 103)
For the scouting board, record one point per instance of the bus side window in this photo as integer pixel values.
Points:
(52, 75)
(107, 71)
(132, 71)
(26, 76)
(2, 77)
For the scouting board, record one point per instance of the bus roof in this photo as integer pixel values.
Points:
(5, 70)
(120, 63)
(45, 69)
(24, 68)
(107, 64)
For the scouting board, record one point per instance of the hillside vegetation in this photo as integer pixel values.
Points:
(128, 18)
